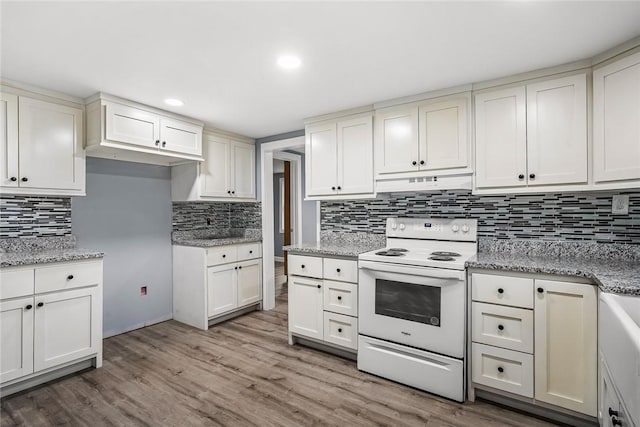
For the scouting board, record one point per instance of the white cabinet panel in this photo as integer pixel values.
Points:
(305, 307)
(221, 289)
(321, 150)
(8, 140)
(67, 327)
(342, 270)
(566, 345)
(355, 156)
(443, 135)
(244, 171)
(180, 137)
(65, 276)
(341, 297)
(341, 330)
(16, 337)
(557, 131)
(16, 283)
(501, 138)
(249, 282)
(616, 120)
(396, 140)
(506, 290)
(503, 369)
(501, 326)
(309, 266)
(131, 125)
(215, 170)
(51, 153)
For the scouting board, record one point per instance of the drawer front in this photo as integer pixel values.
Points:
(16, 283)
(221, 255)
(505, 290)
(501, 326)
(308, 266)
(249, 251)
(68, 276)
(340, 269)
(341, 297)
(506, 370)
(341, 330)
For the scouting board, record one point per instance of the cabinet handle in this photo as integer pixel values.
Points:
(339, 330)
(613, 413)
(500, 291)
(422, 162)
(540, 290)
(521, 176)
(28, 307)
(319, 286)
(337, 270)
(500, 369)
(414, 163)
(615, 421)
(13, 178)
(157, 142)
(70, 277)
(532, 176)
(40, 304)
(25, 179)
(339, 298)
(333, 188)
(501, 327)
(164, 144)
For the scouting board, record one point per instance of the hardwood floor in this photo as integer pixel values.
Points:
(241, 372)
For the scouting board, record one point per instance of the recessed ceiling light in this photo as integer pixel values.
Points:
(173, 102)
(289, 62)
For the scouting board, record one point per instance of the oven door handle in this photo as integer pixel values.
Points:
(437, 273)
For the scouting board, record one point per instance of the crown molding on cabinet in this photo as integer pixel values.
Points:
(36, 92)
(224, 133)
(423, 96)
(340, 114)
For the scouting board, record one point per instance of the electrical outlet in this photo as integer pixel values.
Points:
(620, 205)
(143, 291)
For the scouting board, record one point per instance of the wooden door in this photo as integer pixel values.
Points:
(180, 137)
(355, 155)
(443, 135)
(243, 184)
(215, 171)
(8, 140)
(16, 336)
(221, 289)
(396, 140)
(249, 282)
(321, 161)
(305, 307)
(131, 126)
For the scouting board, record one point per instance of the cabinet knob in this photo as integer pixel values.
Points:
(224, 255)
(340, 330)
(229, 192)
(338, 270)
(13, 178)
(236, 268)
(40, 304)
(339, 188)
(319, 286)
(414, 163)
(422, 162)
(239, 267)
(28, 307)
(521, 176)
(501, 327)
(613, 413)
(532, 176)
(164, 143)
(250, 252)
(157, 142)
(333, 188)
(540, 290)
(302, 266)
(233, 192)
(500, 369)
(500, 291)
(70, 277)
(616, 422)
(25, 179)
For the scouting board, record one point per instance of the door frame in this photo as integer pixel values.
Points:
(269, 151)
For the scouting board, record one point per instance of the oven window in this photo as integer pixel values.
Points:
(417, 303)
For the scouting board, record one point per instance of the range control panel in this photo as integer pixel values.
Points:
(463, 229)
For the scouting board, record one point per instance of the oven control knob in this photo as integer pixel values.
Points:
(465, 228)
(455, 228)
(401, 226)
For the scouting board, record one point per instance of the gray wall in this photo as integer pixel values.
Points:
(278, 241)
(127, 215)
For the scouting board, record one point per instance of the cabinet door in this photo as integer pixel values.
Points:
(16, 336)
(51, 152)
(249, 282)
(180, 137)
(396, 141)
(67, 327)
(321, 150)
(616, 120)
(244, 171)
(221, 289)
(355, 156)
(501, 138)
(608, 398)
(8, 140)
(305, 307)
(566, 325)
(444, 140)
(215, 171)
(131, 125)
(557, 131)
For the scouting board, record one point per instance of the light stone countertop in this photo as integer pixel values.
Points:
(11, 259)
(351, 250)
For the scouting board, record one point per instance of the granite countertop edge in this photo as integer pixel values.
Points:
(209, 243)
(12, 259)
(329, 249)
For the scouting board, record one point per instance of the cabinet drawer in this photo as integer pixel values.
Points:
(341, 330)
(249, 251)
(308, 266)
(506, 327)
(505, 290)
(67, 276)
(16, 283)
(221, 255)
(340, 269)
(341, 297)
(503, 369)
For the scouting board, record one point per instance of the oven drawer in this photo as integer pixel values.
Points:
(341, 330)
(501, 326)
(341, 269)
(506, 370)
(341, 298)
(308, 266)
(505, 290)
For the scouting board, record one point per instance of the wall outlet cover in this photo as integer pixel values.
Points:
(620, 205)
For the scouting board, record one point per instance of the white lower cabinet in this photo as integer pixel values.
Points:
(213, 283)
(323, 300)
(535, 338)
(41, 330)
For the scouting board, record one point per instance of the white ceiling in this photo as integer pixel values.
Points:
(220, 57)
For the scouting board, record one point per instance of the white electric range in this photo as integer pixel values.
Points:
(412, 304)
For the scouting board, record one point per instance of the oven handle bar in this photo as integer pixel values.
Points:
(437, 273)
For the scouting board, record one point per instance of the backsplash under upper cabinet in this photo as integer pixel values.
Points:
(551, 216)
(221, 215)
(34, 216)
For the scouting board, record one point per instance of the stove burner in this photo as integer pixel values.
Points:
(390, 253)
(445, 254)
(398, 249)
(442, 258)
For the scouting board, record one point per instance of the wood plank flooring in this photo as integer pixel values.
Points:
(241, 372)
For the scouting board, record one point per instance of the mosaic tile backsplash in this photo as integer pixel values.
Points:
(193, 215)
(34, 216)
(549, 216)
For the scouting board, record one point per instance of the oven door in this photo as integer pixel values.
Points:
(417, 306)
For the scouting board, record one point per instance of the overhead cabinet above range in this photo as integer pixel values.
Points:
(123, 130)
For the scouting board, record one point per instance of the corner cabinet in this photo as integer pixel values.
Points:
(532, 137)
(616, 124)
(42, 147)
(339, 158)
(228, 172)
(51, 319)
(213, 284)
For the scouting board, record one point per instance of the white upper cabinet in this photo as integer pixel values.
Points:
(124, 130)
(443, 135)
(339, 157)
(243, 165)
(41, 145)
(616, 122)
(215, 170)
(396, 140)
(532, 136)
